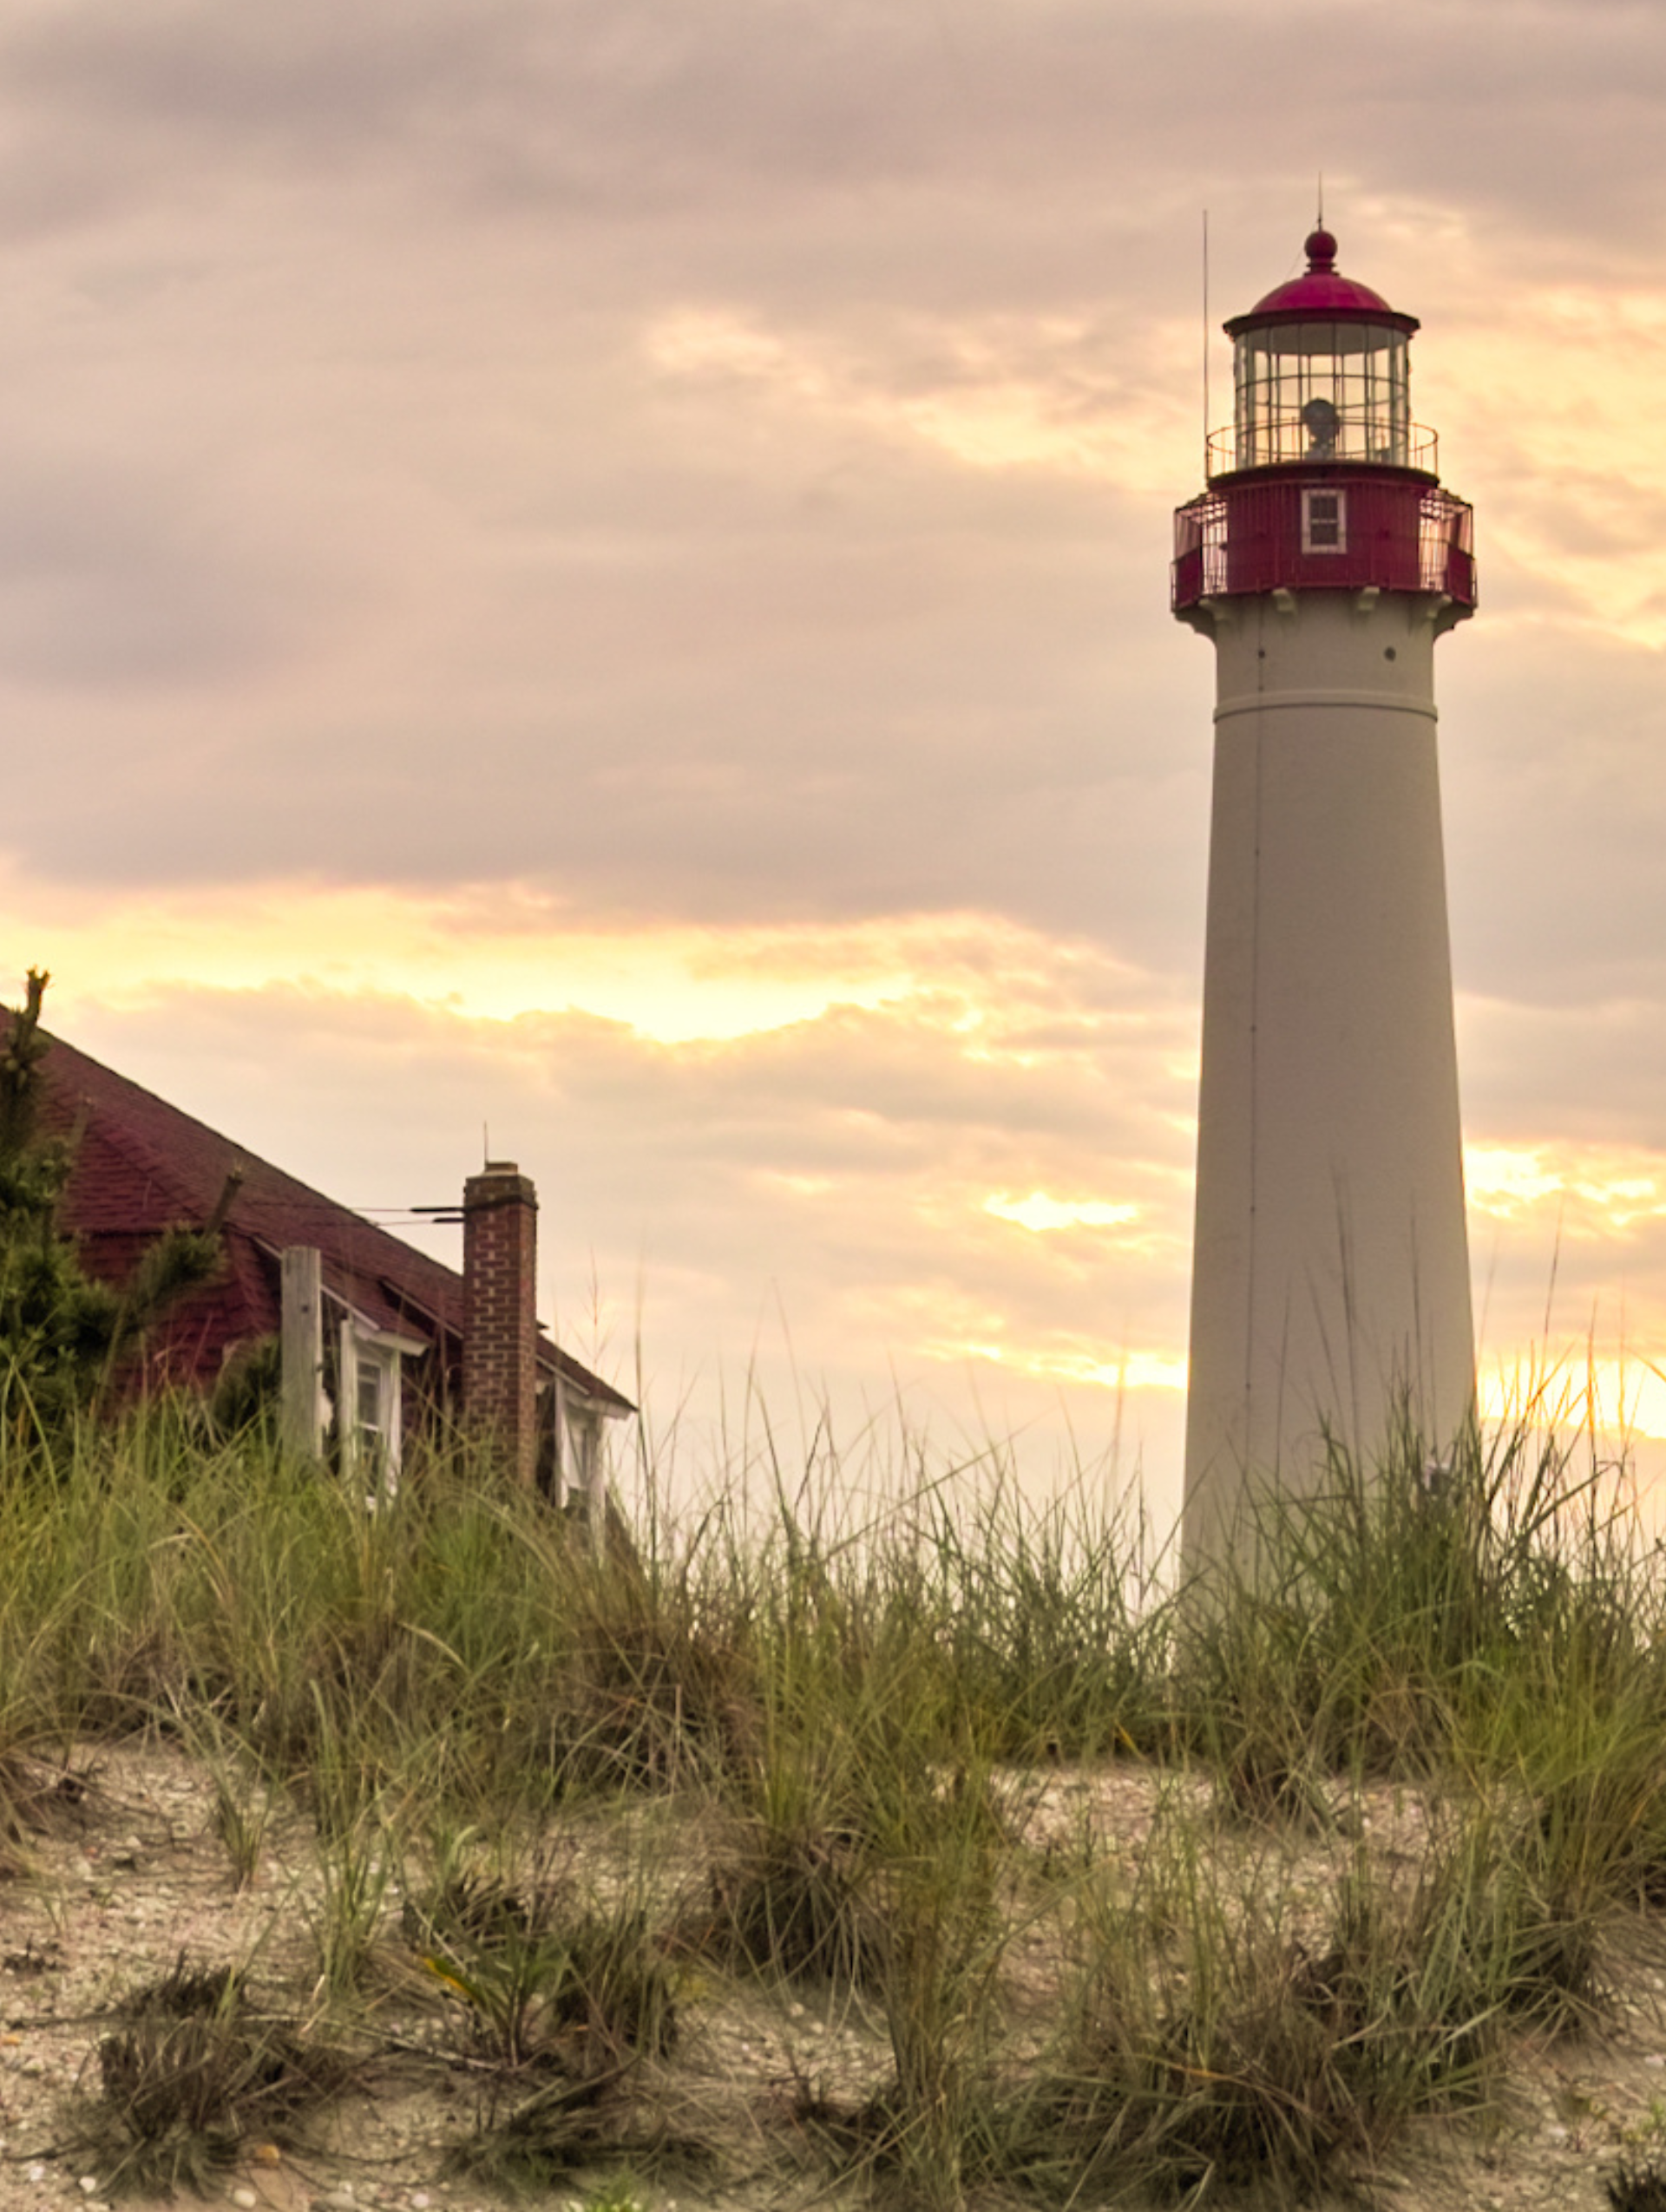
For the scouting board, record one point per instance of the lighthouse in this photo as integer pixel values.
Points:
(1330, 1295)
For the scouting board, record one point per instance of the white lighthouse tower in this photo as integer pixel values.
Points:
(1330, 1285)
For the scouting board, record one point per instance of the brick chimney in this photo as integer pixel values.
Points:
(500, 1325)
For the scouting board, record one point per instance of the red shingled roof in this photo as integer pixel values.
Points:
(143, 1166)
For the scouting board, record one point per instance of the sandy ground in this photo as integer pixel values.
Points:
(132, 1872)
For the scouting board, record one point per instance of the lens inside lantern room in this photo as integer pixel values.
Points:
(1322, 391)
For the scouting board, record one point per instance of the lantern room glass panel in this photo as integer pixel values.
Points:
(1322, 391)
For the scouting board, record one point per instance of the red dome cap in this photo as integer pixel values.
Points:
(1321, 295)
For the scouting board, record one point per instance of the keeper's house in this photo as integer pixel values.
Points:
(407, 1342)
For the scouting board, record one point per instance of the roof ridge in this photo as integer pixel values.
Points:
(135, 1145)
(272, 1201)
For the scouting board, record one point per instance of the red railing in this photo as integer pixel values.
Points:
(1355, 440)
(1399, 535)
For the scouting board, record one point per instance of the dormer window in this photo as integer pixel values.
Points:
(1324, 521)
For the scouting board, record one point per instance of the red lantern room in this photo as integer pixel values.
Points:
(1324, 483)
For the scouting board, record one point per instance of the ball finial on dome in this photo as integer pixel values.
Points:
(1320, 253)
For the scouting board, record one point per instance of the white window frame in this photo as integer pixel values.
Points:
(372, 1448)
(1339, 521)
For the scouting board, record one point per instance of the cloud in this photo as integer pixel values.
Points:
(847, 1170)
(790, 541)
(650, 524)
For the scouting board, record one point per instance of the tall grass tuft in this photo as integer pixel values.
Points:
(1219, 2034)
(1390, 1619)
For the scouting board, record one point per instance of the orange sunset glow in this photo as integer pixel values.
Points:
(598, 582)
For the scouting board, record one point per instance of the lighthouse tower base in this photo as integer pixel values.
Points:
(1330, 1294)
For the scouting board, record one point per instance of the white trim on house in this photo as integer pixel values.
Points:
(369, 1399)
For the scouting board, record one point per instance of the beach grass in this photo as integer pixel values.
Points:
(855, 1721)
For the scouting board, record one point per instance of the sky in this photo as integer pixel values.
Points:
(588, 578)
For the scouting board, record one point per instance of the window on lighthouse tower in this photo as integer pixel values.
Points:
(1324, 521)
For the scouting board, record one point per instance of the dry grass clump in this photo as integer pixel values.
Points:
(1209, 2041)
(574, 2001)
(40, 1797)
(544, 1981)
(197, 2074)
(799, 1901)
(1637, 2184)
